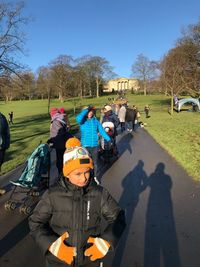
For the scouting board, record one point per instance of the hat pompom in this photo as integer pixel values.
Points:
(53, 111)
(72, 142)
(62, 110)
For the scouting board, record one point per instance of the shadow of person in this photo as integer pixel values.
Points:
(14, 237)
(133, 183)
(124, 144)
(161, 243)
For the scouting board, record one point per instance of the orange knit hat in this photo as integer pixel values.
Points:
(75, 157)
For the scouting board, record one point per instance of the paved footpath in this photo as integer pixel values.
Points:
(162, 209)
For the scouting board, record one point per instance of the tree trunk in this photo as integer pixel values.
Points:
(61, 97)
(97, 89)
(145, 87)
(49, 100)
(81, 88)
(172, 102)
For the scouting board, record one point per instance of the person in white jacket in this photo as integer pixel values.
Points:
(121, 116)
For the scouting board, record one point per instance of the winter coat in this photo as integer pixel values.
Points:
(130, 115)
(4, 133)
(58, 131)
(89, 130)
(112, 117)
(79, 211)
(122, 114)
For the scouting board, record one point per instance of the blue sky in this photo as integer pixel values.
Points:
(118, 30)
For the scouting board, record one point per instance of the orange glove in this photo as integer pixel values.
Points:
(62, 251)
(99, 248)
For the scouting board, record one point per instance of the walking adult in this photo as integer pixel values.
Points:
(4, 141)
(121, 116)
(90, 129)
(10, 117)
(146, 110)
(130, 118)
(59, 134)
(67, 222)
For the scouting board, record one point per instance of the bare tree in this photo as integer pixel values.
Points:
(82, 76)
(12, 37)
(99, 68)
(190, 43)
(28, 84)
(62, 74)
(6, 88)
(45, 84)
(144, 69)
(180, 68)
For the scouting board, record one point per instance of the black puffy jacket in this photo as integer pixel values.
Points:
(130, 115)
(79, 211)
(4, 133)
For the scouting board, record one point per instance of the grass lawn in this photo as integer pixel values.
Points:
(179, 135)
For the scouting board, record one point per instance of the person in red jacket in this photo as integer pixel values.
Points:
(67, 222)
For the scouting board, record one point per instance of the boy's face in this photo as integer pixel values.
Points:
(79, 177)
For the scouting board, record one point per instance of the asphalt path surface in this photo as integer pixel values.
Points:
(161, 203)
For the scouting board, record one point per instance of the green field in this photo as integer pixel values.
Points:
(178, 134)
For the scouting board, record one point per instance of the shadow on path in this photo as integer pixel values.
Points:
(14, 236)
(133, 184)
(161, 245)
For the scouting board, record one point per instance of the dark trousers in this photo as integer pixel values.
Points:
(94, 155)
(129, 125)
(59, 160)
(122, 126)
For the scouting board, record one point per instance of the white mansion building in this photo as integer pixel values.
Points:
(121, 84)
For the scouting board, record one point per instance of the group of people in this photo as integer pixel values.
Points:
(67, 222)
(130, 116)
(91, 129)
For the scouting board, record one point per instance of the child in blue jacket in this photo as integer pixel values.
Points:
(90, 129)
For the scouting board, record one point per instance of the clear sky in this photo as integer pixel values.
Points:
(118, 30)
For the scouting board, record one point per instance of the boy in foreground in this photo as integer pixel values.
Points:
(66, 223)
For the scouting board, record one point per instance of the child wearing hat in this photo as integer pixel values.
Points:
(66, 223)
(91, 129)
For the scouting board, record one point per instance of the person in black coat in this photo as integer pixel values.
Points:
(4, 141)
(130, 118)
(10, 117)
(4, 137)
(67, 222)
